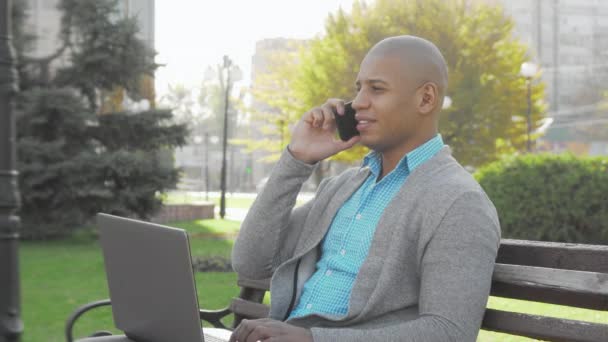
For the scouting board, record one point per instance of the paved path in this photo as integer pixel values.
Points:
(236, 214)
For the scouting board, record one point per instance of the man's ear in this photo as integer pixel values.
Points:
(428, 98)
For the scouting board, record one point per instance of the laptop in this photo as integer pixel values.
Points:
(151, 283)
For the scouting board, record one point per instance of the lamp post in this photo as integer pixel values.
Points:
(447, 102)
(232, 75)
(529, 70)
(11, 325)
(206, 166)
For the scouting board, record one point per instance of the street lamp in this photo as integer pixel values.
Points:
(233, 74)
(529, 70)
(11, 325)
(447, 102)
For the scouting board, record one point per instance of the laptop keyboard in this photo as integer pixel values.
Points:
(209, 338)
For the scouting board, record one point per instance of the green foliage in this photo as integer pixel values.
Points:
(549, 197)
(477, 41)
(149, 130)
(73, 162)
(57, 163)
(134, 177)
(71, 169)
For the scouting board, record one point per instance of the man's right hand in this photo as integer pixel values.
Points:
(314, 136)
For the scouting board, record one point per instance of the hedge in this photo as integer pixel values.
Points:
(550, 197)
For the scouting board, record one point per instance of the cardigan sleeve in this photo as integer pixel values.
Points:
(272, 226)
(455, 279)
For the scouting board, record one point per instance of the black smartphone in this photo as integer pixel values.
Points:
(347, 124)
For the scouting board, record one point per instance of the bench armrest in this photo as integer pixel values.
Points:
(212, 316)
(69, 326)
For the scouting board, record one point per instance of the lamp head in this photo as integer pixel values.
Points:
(528, 69)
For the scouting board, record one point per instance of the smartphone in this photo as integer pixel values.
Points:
(347, 124)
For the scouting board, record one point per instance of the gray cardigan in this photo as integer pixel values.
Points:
(428, 272)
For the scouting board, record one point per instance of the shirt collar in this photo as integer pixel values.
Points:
(411, 160)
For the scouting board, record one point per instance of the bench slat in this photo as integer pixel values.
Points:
(545, 328)
(580, 257)
(574, 288)
(567, 280)
(248, 309)
(263, 284)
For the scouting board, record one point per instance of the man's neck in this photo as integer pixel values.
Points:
(391, 158)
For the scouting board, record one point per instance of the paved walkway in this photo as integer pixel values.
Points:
(238, 214)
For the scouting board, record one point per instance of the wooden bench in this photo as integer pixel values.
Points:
(574, 275)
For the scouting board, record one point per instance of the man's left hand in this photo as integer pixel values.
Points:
(269, 330)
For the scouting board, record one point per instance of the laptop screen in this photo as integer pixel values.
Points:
(150, 279)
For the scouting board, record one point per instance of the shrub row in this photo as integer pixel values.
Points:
(550, 197)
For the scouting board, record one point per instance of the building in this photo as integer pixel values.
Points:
(44, 21)
(569, 40)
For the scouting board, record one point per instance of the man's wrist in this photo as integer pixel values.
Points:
(297, 155)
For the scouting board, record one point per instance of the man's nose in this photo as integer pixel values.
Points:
(360, 101)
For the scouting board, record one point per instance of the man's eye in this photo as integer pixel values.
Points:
(377, 88)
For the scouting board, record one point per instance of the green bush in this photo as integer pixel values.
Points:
(550, 197)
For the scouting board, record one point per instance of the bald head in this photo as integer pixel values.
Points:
(421, 60)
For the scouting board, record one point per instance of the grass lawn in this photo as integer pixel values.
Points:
(58, 276)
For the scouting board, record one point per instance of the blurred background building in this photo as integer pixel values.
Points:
(44, 21)
(569, 41)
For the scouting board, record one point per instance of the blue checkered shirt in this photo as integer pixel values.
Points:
(350, 235)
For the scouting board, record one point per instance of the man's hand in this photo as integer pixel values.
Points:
(269, 330)
(314, 136)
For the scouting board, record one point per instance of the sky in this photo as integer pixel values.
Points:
(193, 34)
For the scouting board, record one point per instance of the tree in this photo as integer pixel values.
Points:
(74, 158)
(202, 108)
(482, 54)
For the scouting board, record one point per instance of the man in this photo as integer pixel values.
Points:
(400, 249)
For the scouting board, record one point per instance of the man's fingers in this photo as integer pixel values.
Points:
(345, 145)
(328, 116)
(257, 330)
(317, 115)
(274, 339)
(243, 330)
(324, 116)
(338, 104)
(259, 333)
(340, 107)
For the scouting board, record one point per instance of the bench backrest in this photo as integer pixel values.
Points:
(549, 272)
(557, 273)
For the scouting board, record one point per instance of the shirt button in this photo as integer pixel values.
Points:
(343, 252)
(309, 306)
(328, 273)
(358, 216)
